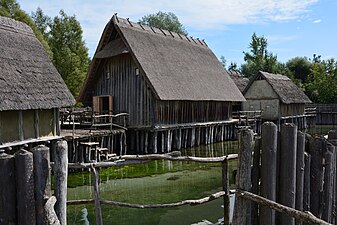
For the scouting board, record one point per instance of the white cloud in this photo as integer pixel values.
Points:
(317, 21)
(198, 15)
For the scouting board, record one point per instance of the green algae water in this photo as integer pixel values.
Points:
(154, 182)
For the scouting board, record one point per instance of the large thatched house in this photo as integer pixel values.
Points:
(32, 91)
(275, 95)
(159, 77)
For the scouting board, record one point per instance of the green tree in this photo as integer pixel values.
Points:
(299, 67)
(70, 53)
(167, 21)
(11, 9)
(258, 58)
(321, 84)
(42, 21)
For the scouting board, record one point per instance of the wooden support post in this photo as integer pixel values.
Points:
(25, 187)
(163, 142)
(179, 139)
(317, 175)
(98, 209)
(42, 181)
(329, 175)
(198, 136)
(268, 170)
(242, 208)
(226, 197)
(125, 146)
(185, 138)
(306, 183)
(168, 138)
(154, 142)
(256, 179)
(206, 136)
(61, 175)
(193, 137)
(299, 173)
(121, 144)
(7, 189)
(287, 182)
(146, 142)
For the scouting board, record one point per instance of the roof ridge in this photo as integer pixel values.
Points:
(158, 31)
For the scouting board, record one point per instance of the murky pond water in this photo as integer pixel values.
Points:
(154, 182)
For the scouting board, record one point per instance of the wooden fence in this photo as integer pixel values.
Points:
(325, 114)
(292, 173)
(25, 187)
(278, 194)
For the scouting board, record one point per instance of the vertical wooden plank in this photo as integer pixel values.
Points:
(36, 123)
(225, 187)
(317, 175)
(42, 181)
(268, 170)
(21, 134)
(7, 189)
(329, 176)
(61, 176)
(300, 173)
(287, 175)
(255, 179)
(25, 187)
(95, 104)
(242, 209)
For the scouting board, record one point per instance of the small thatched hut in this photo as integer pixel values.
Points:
(275, 95)
(32, 91)
(164, 80)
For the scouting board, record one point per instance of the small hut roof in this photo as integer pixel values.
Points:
(28, 79)
(240, 80)
(283, 86)
(175, 66)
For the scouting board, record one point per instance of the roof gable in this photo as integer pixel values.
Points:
(283, 86)
(28, 79)
(175, 66)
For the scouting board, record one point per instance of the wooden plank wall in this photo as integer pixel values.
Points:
(130, 92)
(178, 112)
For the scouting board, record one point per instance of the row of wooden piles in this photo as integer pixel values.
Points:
(25, 187)
(291, 168)
(164, 140)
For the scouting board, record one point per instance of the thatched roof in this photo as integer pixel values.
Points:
(28, 79)
(283, 86)
(240, 80)
(175, 67)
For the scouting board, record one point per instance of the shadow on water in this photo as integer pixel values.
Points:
(155, 182)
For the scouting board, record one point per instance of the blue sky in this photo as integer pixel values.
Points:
(292, 27)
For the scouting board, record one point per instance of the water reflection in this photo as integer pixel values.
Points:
(156, 182)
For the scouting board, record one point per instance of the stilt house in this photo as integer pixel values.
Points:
(276, 96)
(32, 91)
(164, 80)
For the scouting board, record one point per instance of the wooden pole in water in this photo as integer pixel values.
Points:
(42, 181)
(288, 170)
(256, 179)
(242, 207)
(299, 173)
(225, 186)
(99, 220)
(25, 187)
(154, 142)
(7, 189)
(61, 175)
(268, 170)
